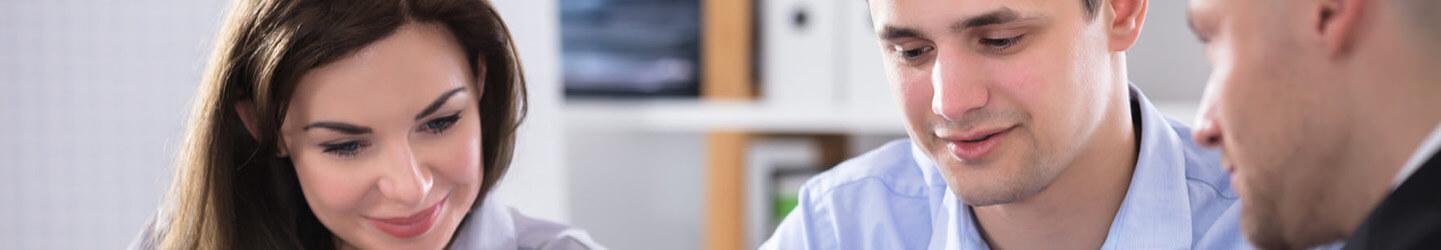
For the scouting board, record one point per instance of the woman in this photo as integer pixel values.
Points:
(354, 124)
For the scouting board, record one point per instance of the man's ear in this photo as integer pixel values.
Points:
(1337, 23)
(1126, 18)
(246, 111)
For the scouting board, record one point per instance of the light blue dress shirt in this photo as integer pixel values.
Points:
(894, 197)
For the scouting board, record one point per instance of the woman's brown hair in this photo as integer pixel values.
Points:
(232, 190)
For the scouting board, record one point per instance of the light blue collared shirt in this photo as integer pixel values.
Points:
(895, 198)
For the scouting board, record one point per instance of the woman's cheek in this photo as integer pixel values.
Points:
(460, 153)
(330, 188)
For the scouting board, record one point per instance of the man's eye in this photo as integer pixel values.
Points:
(439, 125)
(1000, 43)
(343, 149)
(1202, 38)
(915, 53)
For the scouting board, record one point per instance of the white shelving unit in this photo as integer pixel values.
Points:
(679, 115)
(701, 116)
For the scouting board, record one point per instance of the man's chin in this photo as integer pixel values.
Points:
(986, 195)
(1263, 228)
(988, 201)
(1262, 237)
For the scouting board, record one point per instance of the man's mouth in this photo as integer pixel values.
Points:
(976, 145)
(982, 138)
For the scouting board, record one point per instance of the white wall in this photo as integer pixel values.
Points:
(92, 100)
(1168, 63)
(537, 183)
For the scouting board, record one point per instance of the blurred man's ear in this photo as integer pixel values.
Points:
(1336, 23)
(1125, 18)
(246, 111)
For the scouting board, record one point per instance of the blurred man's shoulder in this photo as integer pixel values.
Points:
(890, 169)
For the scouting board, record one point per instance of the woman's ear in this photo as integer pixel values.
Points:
(246, 111)
(479, 78)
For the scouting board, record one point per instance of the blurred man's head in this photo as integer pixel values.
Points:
(1315, 104)
(1005, 95)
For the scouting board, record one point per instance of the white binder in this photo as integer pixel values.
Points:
(799, 45)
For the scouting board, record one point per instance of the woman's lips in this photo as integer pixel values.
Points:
(410, 226)
(976, 146)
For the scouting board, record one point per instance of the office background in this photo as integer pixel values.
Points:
(93, 97)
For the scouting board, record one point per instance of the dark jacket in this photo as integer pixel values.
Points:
(1409, 218)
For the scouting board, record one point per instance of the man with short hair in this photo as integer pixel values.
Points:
(1328, 113)
(1025, 133)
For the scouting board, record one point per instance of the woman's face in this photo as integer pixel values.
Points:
(387, 142)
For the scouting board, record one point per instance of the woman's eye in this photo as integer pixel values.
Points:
(1000, 43)
(438, 125)
(344, 149)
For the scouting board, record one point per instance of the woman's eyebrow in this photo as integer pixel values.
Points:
(339, 127)
(434, 105)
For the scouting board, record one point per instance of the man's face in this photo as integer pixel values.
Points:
(1002, 95)
(1276, 117)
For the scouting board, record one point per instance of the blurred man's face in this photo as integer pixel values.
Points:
(1002, 95)
(1274, 114)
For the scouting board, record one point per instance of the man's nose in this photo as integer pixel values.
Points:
(1208, 131)
(956, 87)
(405, 179)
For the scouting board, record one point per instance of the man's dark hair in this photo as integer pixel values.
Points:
(1089, 5)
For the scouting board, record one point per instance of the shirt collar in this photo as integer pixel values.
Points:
(1427, 149)
(1155, 214)
(950, 218)
(929, 172)
(489, 226)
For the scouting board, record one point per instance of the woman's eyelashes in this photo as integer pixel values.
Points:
(439, 125)
(344, 148)
(353, 147)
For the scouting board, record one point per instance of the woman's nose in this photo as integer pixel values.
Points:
(405, 179)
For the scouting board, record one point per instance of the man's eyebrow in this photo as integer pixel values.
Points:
(339, 127)
(893, 32)
(998, 16)
(435, 105)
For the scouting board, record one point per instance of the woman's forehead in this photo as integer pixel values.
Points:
(397, 75)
